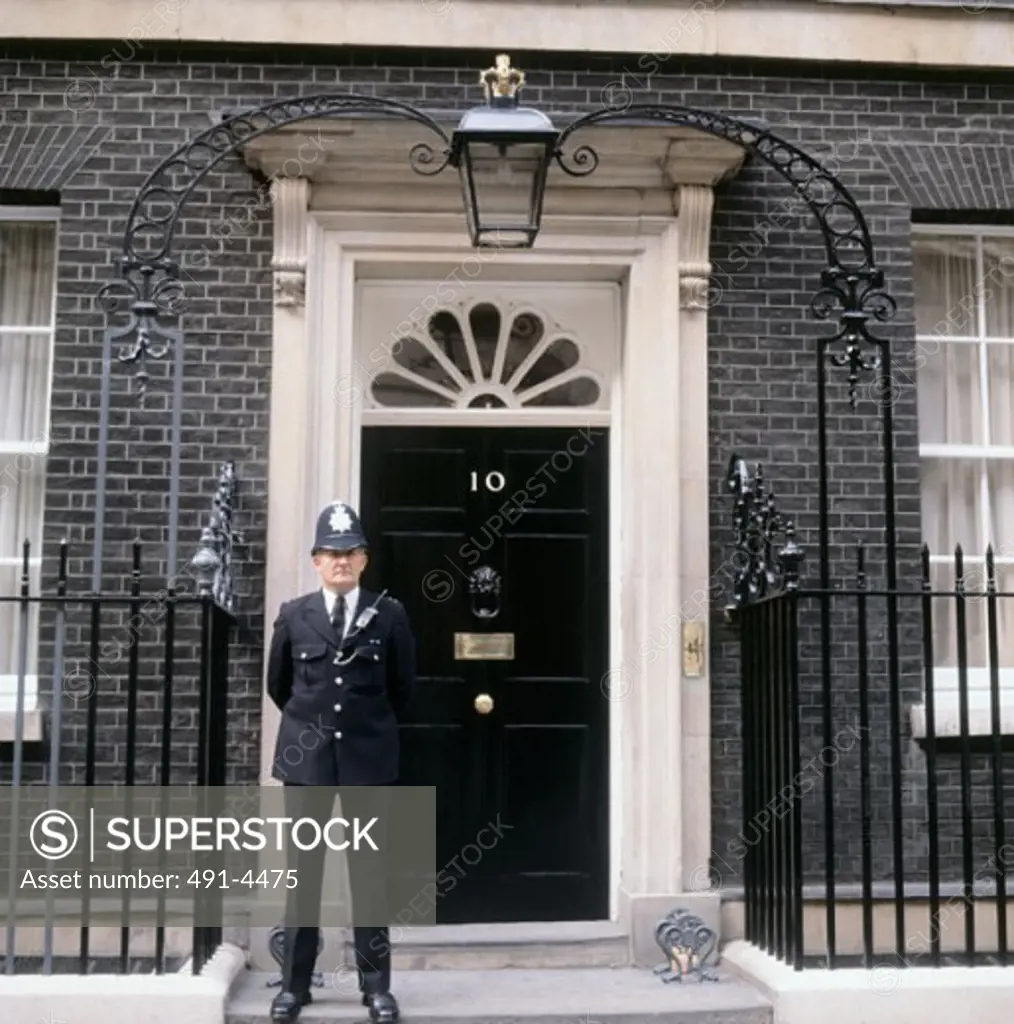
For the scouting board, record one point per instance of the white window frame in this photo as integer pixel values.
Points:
(945, 680)
(9, 683)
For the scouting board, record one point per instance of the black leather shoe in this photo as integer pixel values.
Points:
(285, 1006)
(383, 1007)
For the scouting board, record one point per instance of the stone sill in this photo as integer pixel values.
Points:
(33, 714)
(947, 708)
(32, 732)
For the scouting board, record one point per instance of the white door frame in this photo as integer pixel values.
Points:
(575, 417)
(659, 746)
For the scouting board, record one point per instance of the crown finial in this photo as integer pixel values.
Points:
(501, 80)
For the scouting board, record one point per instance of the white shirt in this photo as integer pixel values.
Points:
(351, 601)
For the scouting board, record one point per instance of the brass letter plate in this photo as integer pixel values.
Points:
(483, 646)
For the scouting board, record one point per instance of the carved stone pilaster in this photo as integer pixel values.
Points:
(291, 199)
(695, 203)
(290, 287)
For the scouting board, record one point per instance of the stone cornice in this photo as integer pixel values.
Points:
(365, 163)
(903, 34)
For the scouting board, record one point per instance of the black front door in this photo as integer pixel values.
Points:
(496, 540)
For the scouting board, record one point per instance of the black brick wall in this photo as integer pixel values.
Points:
(94, 128)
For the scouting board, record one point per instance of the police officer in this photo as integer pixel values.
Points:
(341, 669)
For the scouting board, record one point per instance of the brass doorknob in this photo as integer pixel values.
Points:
(484, 703)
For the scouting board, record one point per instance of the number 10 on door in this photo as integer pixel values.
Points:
(494, 481)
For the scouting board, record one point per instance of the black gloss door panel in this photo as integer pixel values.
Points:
(522, 791)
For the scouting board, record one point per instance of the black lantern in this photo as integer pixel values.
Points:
(502, 152)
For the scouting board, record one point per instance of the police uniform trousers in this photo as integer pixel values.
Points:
(367, 872)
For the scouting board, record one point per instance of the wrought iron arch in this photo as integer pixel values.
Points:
(196, 158)
(804, 173)
(149, 275)
(851, 285)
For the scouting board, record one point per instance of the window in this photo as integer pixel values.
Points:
(964, 298)
(27, 311)
(473, 359)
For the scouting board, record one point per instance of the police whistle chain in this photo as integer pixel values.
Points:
(365, 618)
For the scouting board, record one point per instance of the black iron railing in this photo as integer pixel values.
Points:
(132, 688)
(877, 807)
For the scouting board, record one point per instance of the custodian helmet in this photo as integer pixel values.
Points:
(338, 529)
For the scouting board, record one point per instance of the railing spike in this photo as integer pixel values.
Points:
(927, 574)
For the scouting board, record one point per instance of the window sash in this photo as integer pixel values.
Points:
(39, 216)
(986, 459)
(42, 334)
(37, 448)
(25, 524)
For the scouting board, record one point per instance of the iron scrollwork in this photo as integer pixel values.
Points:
(148, 292)
(147, 272)
(851, 285)
(689, 946)
(762, 564)
(858, 298)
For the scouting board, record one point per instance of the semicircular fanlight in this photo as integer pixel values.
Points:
(482, 357)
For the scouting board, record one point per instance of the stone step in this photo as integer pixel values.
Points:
(622, 995)
(525, 945)
(483, 946)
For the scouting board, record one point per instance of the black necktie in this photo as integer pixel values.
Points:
(338, 617)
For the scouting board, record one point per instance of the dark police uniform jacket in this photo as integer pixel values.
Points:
(340, 722)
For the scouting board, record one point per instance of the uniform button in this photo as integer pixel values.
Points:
(376, 657)
(303, 654)
(337, 707)
(337, 735)
(338, 681)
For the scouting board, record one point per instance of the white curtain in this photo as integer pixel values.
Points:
(26, 300)
(966, 397)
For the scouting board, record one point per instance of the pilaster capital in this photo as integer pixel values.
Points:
(694, 205)
(290, 198)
